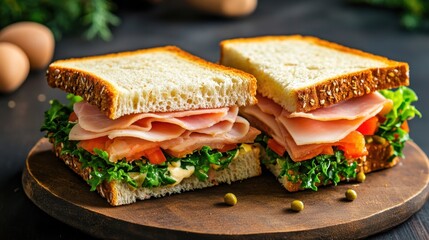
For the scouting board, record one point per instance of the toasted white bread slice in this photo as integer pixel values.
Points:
(160, 79)
(303, 73)
(245, 165)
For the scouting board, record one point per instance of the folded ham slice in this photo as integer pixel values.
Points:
(179, 133)
(309, 131)
(351, 109)
(154, 127)
(91, 119)
(305, 135)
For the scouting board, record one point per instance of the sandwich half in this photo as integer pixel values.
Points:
(324, 109)
(152, 122)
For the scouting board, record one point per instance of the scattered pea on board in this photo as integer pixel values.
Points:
(360, 177)
(297, 205)
(351, 194)
(230, 199)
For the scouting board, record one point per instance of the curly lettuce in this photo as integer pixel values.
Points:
(402, 111)
(321, 170)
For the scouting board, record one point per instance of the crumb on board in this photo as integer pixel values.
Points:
(11, 104)
(41, 97)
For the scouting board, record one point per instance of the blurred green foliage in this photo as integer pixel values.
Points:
(414, 13)
(92, 17)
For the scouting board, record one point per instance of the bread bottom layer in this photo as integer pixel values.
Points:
(377, 159)
(244, 166)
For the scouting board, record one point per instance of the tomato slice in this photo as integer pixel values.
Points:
(328, 150)
(73, 117)
(353, 145)
(405, 126)
(276, 147)
(155, 155)
(90, 144)
(369, 127)
(228, 147)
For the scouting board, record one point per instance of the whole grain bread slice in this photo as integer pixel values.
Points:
(162, 79)
(303, 73)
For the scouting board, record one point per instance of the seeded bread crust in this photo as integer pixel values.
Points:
(245, 165)
(330, 91)
(103, 94)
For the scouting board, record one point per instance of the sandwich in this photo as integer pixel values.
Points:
(326, 111)
(152, 122)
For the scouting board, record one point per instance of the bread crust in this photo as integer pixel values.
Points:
(104, 95)
(352, 85)
(244, 166)
(342, 87)
(90, 87)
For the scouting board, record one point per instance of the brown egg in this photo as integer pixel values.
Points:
(35, 39)
(14, 67)
(226, 8)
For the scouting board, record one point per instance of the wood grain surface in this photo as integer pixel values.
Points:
(385, 199)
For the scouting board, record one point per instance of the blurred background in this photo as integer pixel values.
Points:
(397, 29)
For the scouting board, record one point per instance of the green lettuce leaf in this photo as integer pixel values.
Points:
(322, 169)
(204, 158)
(402, 111)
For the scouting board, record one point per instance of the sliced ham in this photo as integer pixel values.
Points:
(334, 124)
(129, 147)
(91, 119)
(225, 124)
(305, 135)
(351, 109)
(158, 132)
(179, 133)
(268, 106)
(325, 126)
(150, 126)
(270, 123)
(182, 146)
(309, 131)
(78, 133)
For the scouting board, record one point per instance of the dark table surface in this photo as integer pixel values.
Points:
(370, 29)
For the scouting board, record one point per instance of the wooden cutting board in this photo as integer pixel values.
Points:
(385, 199)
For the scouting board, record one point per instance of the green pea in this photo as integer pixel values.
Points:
(351, 194)
(297, 205)
(230, 199)
(360, 177)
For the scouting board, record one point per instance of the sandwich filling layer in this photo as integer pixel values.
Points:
(306, 135)
(327, 158)
(177, 133)
(149, 149)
